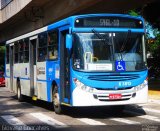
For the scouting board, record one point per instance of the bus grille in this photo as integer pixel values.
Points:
(113, 77)
(106, 97)
(108, 89)
(114, 100)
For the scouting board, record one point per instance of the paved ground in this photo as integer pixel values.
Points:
(40, 116)
(154, 89)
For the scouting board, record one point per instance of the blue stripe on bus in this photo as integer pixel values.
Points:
(49, 91)
(107, 14)
(42, 80)
(7, 76)
(110, 84)
(107, 30)
(23, 78)
(49, 64)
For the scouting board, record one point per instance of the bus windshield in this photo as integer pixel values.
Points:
(100, 51)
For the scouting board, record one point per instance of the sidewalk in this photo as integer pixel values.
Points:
(154, 89)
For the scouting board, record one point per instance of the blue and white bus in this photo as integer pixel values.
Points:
(83, 60)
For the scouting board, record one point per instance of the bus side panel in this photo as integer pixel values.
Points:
(24, 79)
(52, 75)
(25, 87)
(7, 76)
(41, 81)
(16, 74)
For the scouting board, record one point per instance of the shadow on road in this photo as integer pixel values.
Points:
(102, 112)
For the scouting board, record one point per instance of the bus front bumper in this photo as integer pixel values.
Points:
(106, 98)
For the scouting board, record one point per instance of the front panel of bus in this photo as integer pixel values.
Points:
(108, 61)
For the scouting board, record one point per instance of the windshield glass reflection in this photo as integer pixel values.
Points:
(99, 52)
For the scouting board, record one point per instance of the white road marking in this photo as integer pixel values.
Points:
(12, 120)
(148, 117)
(48, 120)
(15, 122)
(152, 110)
(91, 121)
(122, 120)
(154, 101)
(152, 118)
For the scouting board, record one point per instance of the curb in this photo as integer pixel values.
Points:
(154, 94)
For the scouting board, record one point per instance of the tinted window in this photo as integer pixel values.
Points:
(42, 49)
(21, 51)
(53, 45)
(7, 54)
(26, 50)
(16, 46)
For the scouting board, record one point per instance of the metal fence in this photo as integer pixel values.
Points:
(4, 3)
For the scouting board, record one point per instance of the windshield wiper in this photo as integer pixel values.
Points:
(124, 44)
(101, 37)
(125, 41)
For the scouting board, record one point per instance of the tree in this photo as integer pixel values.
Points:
(151, 13)
(153, 43)
(2, 57)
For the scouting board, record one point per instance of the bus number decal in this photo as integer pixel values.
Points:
(125, 84)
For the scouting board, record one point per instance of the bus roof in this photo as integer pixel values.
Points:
(66, 21)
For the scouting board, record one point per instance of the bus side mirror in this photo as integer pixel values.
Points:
(69, 41)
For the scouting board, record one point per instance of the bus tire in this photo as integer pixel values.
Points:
(56, 102)
(19, 95)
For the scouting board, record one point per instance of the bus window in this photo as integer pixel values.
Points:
(26, 50)
(53, 45)
(16, 52)
(42, 49)
(21, 49)
(7, 54)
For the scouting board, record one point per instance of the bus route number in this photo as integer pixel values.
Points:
(109, 22)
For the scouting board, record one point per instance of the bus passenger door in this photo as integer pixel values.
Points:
(11, 61)
(33, 62)
(64, 67)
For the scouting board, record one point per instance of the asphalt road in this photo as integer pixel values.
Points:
(30, 115)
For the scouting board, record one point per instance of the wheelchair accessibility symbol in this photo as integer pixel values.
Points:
(120, 66)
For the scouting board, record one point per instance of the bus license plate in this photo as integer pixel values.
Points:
(115, 96)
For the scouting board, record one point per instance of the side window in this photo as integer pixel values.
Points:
(53, 45)
(21, 51)
(42, 48)
(26, 50)
(7, 54)
(16, 49)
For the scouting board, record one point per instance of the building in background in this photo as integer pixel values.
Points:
(21, 16)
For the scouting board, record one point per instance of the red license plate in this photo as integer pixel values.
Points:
(115, 96)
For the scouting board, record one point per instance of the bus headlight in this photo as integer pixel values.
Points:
(141, 86)
(81, 86)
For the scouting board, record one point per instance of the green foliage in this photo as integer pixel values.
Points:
(154, 63)
(154, 47)
(2, 49)
(2, 57)
(151, 33)
(133, 13)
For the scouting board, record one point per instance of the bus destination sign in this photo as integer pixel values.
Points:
(108, 22)
(115, 22)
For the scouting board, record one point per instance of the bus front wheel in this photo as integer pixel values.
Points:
(19, 95)
(56, 101)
